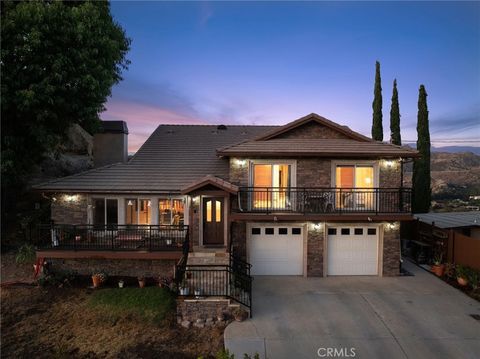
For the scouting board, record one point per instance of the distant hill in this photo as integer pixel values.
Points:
(454, 175)
(457, 149)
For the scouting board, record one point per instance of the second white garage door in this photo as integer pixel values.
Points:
(275, 250)
(352, 250)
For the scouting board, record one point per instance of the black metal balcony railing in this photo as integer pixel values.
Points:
(112, 237)
(323, 200)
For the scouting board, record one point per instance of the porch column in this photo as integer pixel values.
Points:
(154, 209)
(121, 210)
(186, 210)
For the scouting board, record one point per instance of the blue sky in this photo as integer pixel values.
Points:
(273, 62)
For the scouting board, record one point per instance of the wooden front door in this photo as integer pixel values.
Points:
(213, 221)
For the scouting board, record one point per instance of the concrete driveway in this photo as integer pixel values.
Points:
(361, 317)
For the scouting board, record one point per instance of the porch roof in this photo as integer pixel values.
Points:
(211, 181)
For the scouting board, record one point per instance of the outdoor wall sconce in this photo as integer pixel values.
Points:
(388, 163)
(391, 226)
(71, 198)
(317, 226)
(240, 163)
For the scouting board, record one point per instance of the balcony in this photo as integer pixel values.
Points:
(88, 237)
(273, 200)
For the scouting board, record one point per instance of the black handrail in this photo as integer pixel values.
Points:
(319, 200)
(112, 237)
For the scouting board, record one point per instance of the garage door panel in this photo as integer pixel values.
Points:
(276, 254)
(352, 254)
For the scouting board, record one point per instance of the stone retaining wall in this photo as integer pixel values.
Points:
(118, 267)
(204, 312)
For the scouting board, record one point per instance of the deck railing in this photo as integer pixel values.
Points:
(112, 237)
(323, 200)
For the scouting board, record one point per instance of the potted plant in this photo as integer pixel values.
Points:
(438, 267)
(98, 278)
(121, 283)
(240, 314)
(462, 275)
(450, 270)
(141, 281)
(198, 293)
(183, 287)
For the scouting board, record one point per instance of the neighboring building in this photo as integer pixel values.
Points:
(309, 198)
(456, 234)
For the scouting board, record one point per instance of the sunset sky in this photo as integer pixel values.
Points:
(273, 62)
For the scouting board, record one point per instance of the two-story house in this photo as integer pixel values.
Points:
(310, 198)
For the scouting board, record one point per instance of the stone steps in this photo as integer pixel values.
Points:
(218, 257)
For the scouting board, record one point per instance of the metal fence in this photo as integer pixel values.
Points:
(111, 237)
(216, 281)
(323, 200)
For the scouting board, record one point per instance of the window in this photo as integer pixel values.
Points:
(283, 231)
(170, 211)
(272, 183)
(269, 231)
(105, 211)
(345, 231)
(256, 230)
(358, 231)
(372, 231)
(138, 211)
(332, 231)
(356, 183)
(296, 231)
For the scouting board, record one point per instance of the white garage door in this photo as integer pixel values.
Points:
(352, 250)
(275, 249)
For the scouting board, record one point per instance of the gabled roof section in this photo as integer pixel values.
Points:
(313, 117)
(211, 181)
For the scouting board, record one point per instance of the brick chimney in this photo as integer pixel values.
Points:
(110, 144)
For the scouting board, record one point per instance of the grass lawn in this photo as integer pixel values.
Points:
(151, 303)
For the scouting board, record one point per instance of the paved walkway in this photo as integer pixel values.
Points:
(371, 317)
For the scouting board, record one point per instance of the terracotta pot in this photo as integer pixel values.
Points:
(97, 281)
(439, 269)
(462, 281)
(141, 283)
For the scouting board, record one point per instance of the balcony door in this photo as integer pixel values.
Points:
(271, 184)
(355, 187)
(213, 221)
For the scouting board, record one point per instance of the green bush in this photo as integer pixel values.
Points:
(473, 278)
(25, 254)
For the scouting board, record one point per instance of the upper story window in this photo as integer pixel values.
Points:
(105, 211)
(271, 175)
(355, 186)
(272, 182)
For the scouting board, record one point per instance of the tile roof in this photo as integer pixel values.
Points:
(172, 158)
(317, 147)
(210, 180)
(451, 219)
(318, 119)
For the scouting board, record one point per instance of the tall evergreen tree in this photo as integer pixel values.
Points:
(421, 166)
(395, 136)
(377, 127)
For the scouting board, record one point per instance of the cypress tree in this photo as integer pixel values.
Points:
(395, 136)
(377, 128)
(421, 166)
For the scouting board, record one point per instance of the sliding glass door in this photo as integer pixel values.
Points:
(271, 184)
(355, 187)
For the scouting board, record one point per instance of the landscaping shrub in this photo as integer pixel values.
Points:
(57, 278)
(25, 254)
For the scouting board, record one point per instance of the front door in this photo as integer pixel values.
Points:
(213, 221)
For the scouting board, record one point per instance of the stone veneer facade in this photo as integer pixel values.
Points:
(66, 211)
